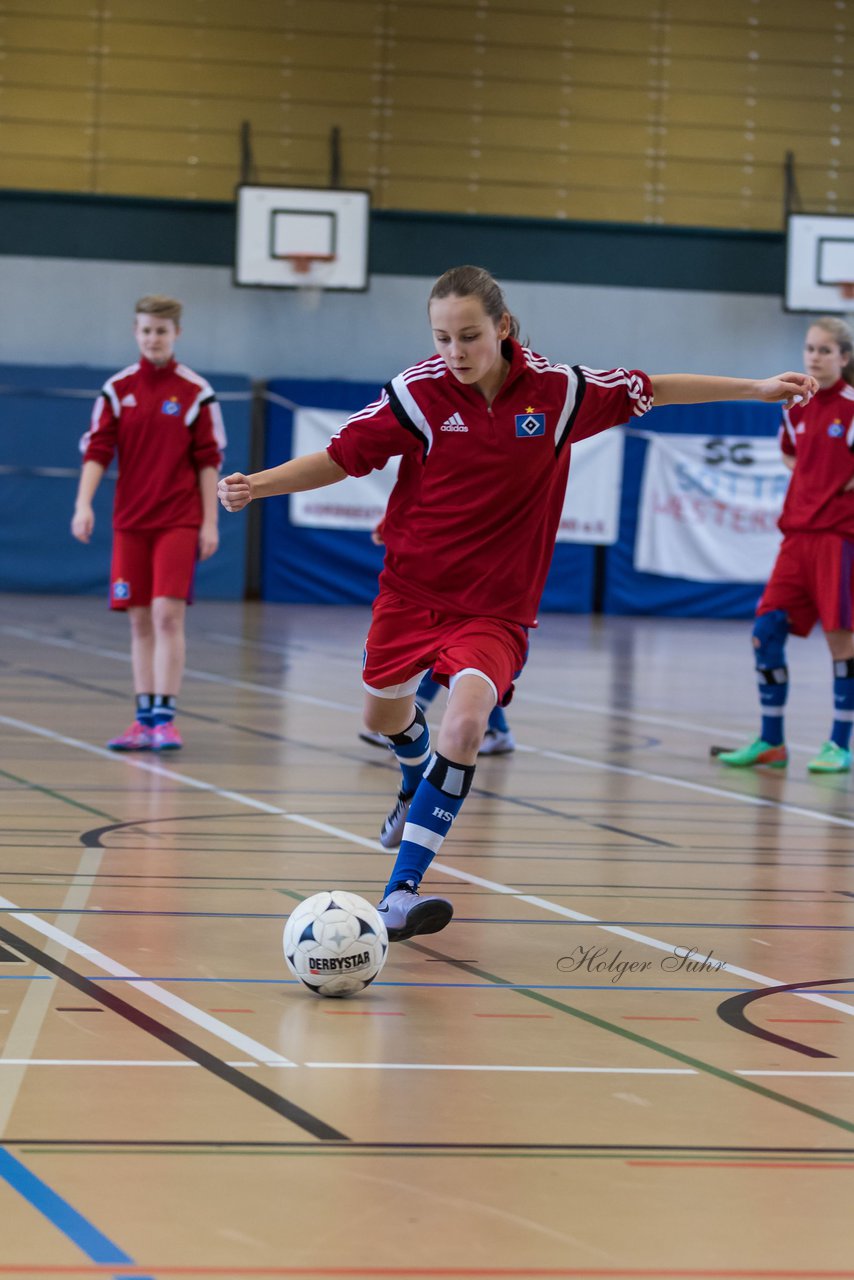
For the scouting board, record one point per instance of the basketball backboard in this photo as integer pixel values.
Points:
(302, 237)
(819, 262)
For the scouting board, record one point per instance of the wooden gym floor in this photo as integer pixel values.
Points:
(631, 1053)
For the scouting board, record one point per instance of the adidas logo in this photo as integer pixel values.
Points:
(454, 423)
(129, 401)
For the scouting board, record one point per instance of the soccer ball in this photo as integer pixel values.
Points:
(335, 943)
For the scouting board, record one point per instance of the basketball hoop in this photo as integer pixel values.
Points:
(308, 275)
(303, 263)
(846, 289)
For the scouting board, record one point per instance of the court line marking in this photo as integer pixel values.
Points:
(570, 704)
(176, 1041)
(107, 1062)
(758, 802)
(238, 797)
(209, 677)
(425, 1066)
(62, 1215)
(28, 633)
(221, 1030)
(561, 1070)
(30, 1016)
(718, 792)
(639, 717)
(663, 1050)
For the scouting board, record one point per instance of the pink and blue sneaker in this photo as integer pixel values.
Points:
(137, 737)
(165, 737)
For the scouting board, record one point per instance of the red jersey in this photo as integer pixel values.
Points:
(820, 436)
(471, 522)
(166, 425)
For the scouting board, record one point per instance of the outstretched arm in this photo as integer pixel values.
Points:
(312, 471)
(690, 388)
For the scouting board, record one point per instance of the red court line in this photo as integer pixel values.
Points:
(738, 1164)
(804, 1019)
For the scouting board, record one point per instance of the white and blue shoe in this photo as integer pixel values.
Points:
(405, 913)
(391, 832)
(497, 742)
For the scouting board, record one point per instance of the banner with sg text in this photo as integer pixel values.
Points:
(709, 507)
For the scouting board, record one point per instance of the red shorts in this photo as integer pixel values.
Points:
(158, 562)
(812, 579)
(407, 639)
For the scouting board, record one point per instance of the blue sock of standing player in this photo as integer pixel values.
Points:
(163, 711)
(412, 750)
(843, 701)
(497, 720)
(426, 691)
(769, 640)
(437, 802)
(145, 709)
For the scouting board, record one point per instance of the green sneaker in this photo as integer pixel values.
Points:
(831, 759)
(758, 752)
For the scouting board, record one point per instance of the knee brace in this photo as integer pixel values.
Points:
(769, 641)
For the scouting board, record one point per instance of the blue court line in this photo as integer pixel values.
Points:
(577, 924)
(480, 986)
(60, 1214)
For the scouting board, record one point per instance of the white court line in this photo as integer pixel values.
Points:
(668, 780)
(107, 1062)
(28, 633)
(579, 1071)
(23, 633)
(214, 1026)
(642, 717)
(604, 766)
(419, 1066)
(761, 979)
(480, 1066)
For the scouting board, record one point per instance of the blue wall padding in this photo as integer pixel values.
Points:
(40, 429)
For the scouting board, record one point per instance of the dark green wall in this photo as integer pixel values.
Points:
(37, 224)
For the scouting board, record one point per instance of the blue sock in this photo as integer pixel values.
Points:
(773, 690)
(145, 709)
(843, 701)
(412, 749)
(426, 691)
(163, 711)
(437, 802)
(497, 720)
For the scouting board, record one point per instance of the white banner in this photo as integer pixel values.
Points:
(590, 514)
(357, 502)
(591, 508)
(709, 507)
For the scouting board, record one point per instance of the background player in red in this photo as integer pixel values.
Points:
(813, 576)
(485, 430)
(163, 421)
